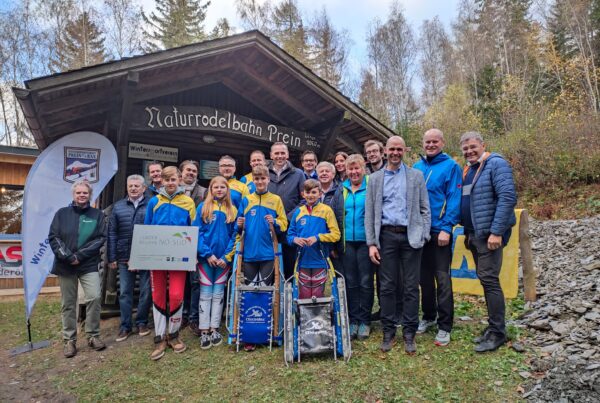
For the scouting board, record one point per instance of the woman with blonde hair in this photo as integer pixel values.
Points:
(216, 219)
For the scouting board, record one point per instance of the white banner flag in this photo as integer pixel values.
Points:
(81, 155)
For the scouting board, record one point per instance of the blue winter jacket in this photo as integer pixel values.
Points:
(216, 237)
(354, 211)
(493, 198)
(258, 245)
(443, 178)
(175, 209)
(120, 227)
(318, 221)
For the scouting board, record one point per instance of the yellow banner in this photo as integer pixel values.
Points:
(464, 279)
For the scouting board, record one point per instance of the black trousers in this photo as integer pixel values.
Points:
(437, 300)
(289, 255)
(399, 282)
(488, 264)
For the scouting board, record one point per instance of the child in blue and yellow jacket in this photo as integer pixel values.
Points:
(313, 226)
(216, 219)
(257, 211)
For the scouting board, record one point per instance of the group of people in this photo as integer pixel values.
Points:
(385, 226)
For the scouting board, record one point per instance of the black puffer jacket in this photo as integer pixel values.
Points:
(289, 185)
(120, 227)
(64, 239)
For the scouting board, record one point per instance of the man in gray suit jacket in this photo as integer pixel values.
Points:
(397, 223)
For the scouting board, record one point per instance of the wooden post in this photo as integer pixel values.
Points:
(529, 276)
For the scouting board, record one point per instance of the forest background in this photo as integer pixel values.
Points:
(524, 73)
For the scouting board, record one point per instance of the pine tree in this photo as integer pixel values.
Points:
(81, 45)
(222, 29)
(176, 23)
(288, 30)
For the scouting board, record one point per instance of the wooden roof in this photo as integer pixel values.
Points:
(266, 82)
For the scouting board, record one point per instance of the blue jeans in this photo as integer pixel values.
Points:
(126, 285)
(359, 274)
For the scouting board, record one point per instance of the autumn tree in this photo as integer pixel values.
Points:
(175, 23)
(436, 64)
(329, 49)
(254, 14)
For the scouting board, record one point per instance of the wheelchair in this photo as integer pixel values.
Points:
(316, 325)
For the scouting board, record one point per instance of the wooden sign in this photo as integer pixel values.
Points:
(205, 118)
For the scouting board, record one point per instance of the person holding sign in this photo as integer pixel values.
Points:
(487, 214)
(216, 219)
(76, 235)
(169, 207)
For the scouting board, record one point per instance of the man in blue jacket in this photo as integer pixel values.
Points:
(443, 180)
(125, 214)
(487, 214)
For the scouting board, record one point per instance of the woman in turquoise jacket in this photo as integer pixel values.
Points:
(358, 269)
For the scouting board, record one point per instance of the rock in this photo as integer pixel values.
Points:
(465, 318)
(518, 347)
(564, 323)
(560, 328)
(541, 324)
(525, 374)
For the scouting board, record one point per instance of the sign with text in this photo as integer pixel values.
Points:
(152, 152)
(11, 259)
(205, 118)
(208, 169)
(164, 247)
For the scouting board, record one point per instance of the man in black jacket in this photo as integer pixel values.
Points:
(287, 182)
(76, 235)
(125, 214)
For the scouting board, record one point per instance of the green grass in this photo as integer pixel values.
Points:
(124, 371)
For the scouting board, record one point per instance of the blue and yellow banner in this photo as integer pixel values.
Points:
(464, 278)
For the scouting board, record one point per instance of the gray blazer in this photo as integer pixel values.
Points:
(419, 215)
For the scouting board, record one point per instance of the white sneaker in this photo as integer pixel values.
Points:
(424, 325)
(442, 338)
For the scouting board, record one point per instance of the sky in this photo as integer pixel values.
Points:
(352, 15)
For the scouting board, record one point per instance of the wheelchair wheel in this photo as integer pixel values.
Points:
(288, 325)
(344, 325)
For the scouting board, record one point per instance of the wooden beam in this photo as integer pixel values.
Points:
(259, 103)
(175, 87)
(332, 135)
(129, 87)
(61, 104)
(349, 142)
(283, 95)
(529, 276)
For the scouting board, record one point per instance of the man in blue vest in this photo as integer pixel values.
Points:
(443, 180)
(487, 214)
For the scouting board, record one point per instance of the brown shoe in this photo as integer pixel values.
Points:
(159, 351)
(143, 330)
(70, 348)
(95, 343)
(123, 335)
(177, 345)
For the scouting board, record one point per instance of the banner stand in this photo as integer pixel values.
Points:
(30, 346)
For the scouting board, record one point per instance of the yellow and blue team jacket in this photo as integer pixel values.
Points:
(248, 180)
(258, 245)
(237, 191)
(175, 209)
(216, 237)
(317, 221)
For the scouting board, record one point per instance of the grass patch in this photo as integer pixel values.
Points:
(124, 371)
